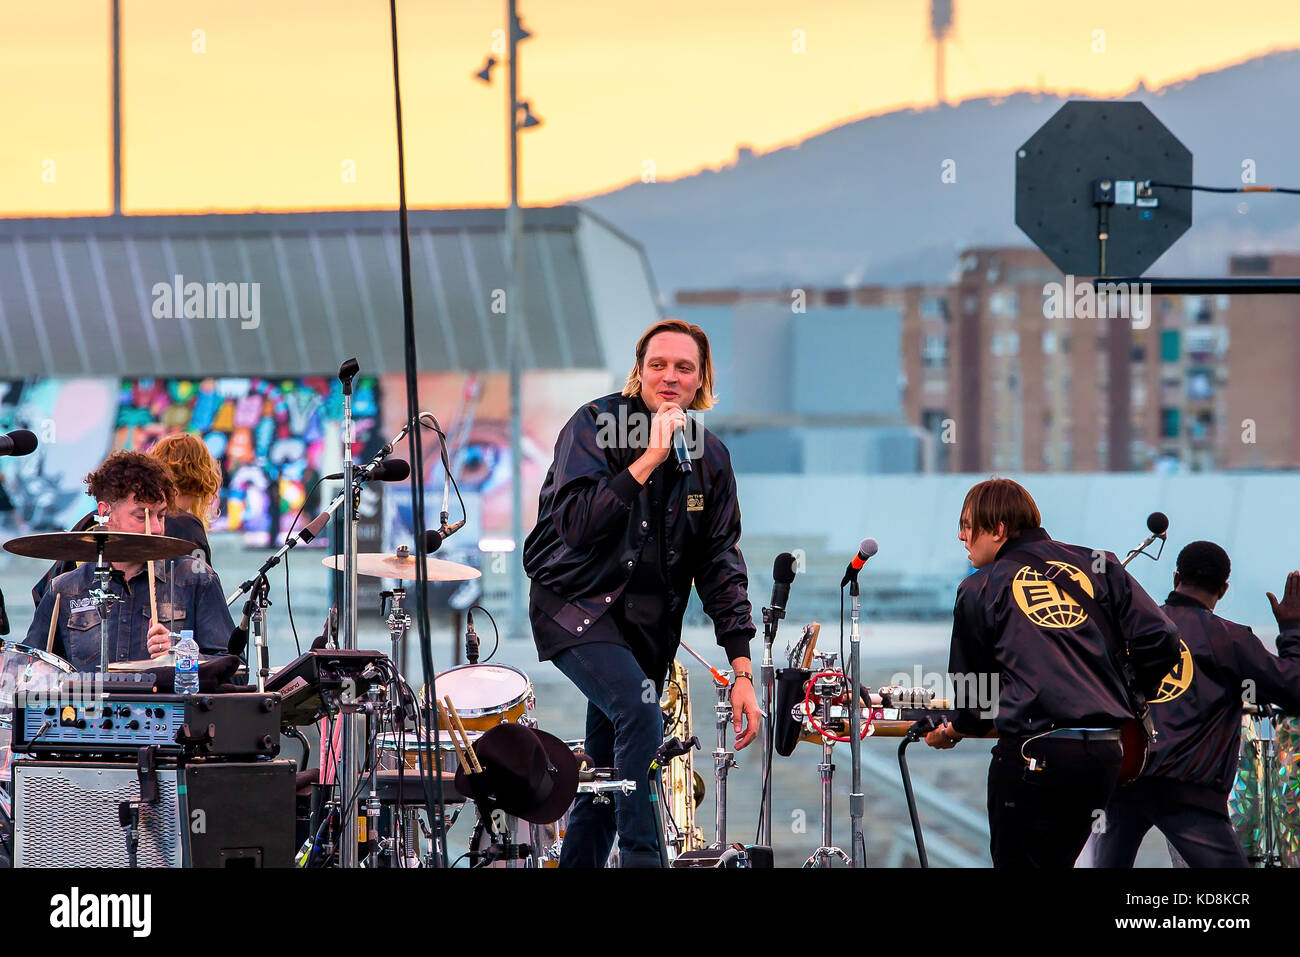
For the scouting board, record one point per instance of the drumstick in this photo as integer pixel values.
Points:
(473, 758)
(54, 624)
(464, 765)
(153, 598)
(469, 750)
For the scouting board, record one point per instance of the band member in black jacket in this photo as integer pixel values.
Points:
(1184, 788)
(620, 536)
(1028, 660)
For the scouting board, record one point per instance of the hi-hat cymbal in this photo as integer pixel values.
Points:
(402, 566)
(83, 546)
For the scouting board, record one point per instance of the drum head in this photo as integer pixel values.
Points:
(24, 669)
(478, 690)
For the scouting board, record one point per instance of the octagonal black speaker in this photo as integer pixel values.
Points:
(1081, 175)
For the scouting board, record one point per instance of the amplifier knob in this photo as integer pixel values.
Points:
(133, 724)
(107, 724)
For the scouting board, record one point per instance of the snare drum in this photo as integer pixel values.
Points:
(487, 695)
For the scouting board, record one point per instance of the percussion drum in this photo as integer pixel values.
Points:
(486, 695)
(23, 671)
(388, 747)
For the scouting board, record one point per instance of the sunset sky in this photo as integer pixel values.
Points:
(288, 96)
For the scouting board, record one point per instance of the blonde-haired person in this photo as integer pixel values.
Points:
(197, 475)
(621, 536)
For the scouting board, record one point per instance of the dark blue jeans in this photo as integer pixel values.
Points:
(1203, 838)
(624, 730)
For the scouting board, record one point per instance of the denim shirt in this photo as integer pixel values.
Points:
(200, 606)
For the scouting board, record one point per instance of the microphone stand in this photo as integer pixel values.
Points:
(857, 800)
(767, 675)
(349, 764)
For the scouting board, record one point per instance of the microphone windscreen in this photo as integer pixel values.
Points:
(1157, 523)
(392, 470)
(432, 541)
(24, 442)
(783, 568)
(868, 547)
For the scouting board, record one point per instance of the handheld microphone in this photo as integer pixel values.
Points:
(868, 548)
(680, 451)
(782, 577)
(18, 442)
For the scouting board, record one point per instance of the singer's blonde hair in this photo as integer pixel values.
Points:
(704, 396)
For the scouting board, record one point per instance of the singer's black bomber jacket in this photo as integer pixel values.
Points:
(593, 520)
(1051, 662)
(1198, 710)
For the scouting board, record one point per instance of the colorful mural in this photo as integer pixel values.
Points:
(272, 438)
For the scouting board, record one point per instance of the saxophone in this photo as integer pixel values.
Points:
(683, 788)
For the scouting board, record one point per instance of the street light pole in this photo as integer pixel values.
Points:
(514, 335)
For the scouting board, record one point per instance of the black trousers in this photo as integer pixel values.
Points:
(1042, 818)
(1203, 837)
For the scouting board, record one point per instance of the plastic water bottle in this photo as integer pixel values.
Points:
(187, 663)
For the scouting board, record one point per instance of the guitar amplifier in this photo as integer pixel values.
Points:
(245, 724)
(65, 814)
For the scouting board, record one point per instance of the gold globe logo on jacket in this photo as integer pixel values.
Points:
(1178, 680)
(1044, 603)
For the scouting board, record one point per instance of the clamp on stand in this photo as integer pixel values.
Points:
(105, 599)
(260, 600)
(723, 760)
(397, 618)
(829, 688)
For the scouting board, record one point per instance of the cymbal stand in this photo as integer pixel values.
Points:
(723, 760)
(1269, 856)
(104, 600)
(827, 689)
(398, 620)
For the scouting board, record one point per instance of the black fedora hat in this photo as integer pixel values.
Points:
(526, 772)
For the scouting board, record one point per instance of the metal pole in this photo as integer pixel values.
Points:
(117, 108)
(349, 764)
(857, 801)
(514, 335)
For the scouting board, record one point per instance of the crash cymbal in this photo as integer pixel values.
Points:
(82, 546)
(402, 566)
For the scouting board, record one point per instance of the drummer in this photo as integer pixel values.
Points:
(124, 486)
(198, 482)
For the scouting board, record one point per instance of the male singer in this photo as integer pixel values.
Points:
(1061, 698)
(621, 534)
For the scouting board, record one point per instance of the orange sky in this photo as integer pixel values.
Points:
(288, 91)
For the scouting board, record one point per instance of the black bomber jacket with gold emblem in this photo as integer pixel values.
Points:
(1025, 658)
(594, 516)
(1197, 710)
